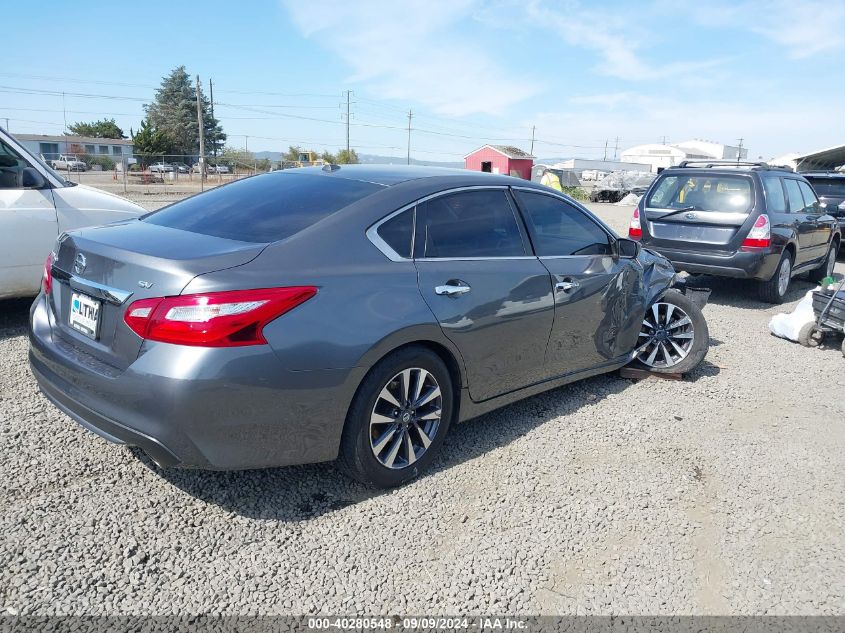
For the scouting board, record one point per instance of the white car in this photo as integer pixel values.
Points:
(36, 206)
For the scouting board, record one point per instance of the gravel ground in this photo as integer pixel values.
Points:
(722, 494)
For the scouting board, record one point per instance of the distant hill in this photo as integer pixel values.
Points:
(373, 159)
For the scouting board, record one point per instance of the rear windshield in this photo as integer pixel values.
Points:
(705, 192)
(833, 187)
(264, 208)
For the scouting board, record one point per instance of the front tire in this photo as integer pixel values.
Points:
(674, 337)
(774, 290)
(398, 419)
(826, 269)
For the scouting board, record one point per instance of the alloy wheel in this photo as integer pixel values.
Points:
(405, 418)
(666, 336)
(784, 275)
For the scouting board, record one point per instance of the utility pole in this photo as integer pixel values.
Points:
(663, 140)
(616, 148)
(348, 94)
(533, 127)
(739, 151)
(202, 134)
(410, 116)
(7, 124)
(605, 150)
(211, 99)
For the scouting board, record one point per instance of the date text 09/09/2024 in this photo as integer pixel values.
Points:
(417, 623)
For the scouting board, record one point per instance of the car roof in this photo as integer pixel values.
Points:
(389, 175)
(727, 170)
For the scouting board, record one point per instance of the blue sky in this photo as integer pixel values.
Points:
(584, 73)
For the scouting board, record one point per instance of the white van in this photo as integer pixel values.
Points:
(36, 206)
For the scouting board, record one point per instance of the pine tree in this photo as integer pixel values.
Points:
(174, 114)
(151, 144)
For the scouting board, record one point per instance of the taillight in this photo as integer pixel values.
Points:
(216, 319)
(635, 231)
(47, 277)
(760, 235)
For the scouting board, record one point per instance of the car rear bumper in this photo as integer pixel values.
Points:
(759, 265)
(223, 408)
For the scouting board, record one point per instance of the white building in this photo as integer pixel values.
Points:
(659, 156)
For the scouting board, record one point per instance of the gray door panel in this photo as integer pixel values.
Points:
(599, 304)
(500, 325)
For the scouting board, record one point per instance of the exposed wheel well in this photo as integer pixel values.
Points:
(790, 248)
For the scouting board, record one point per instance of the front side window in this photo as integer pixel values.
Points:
(793, 194)
(707, 192)
(775, 200)
(477, 223)
(11, 168)
(558, 229)
(811, 202)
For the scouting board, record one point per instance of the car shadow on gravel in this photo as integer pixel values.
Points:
(14, 317)
(743, 293)
(299, 493)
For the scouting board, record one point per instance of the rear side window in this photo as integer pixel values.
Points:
(264, 208)
(702, 192)
(398, 232)
(468, 224)
(557, 228)
(775, 200)
(793, 194)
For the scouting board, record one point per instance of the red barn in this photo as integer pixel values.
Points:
(501, 159)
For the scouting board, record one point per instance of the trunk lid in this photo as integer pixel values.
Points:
(120, 263)
(709, 212)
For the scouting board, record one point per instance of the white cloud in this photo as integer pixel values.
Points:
(766, 130)
(804, 29)
(412, 51)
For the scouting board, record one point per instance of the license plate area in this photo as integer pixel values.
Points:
(84, 315)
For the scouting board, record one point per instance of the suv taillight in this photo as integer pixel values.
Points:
(215, 319)
(635, 230)
(760, 235)
(47, 277)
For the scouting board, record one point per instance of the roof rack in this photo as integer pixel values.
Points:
(724, 163)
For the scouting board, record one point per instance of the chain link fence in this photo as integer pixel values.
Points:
(169, 174)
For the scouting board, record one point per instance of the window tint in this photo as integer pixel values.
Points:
(828, 186)
(811, 202)
(398, 231)
(775, 200)
(11, 168)
(468, 224)
(557, 228)
(263, 208)
(793, 194)
(702, 192)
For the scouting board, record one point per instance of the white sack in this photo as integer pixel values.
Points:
(789, 325)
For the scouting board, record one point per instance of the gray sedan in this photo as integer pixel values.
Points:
(350, 313)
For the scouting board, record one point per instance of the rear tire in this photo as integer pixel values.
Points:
(826, 267)
(774, 290)
(678, 324)
(391, 435)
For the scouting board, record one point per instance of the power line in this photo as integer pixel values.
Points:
(410, 116)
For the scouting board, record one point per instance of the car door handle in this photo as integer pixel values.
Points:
(567, 286)
(452, 290)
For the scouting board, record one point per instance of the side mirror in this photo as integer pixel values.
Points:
(31, 178)
(627, 248)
